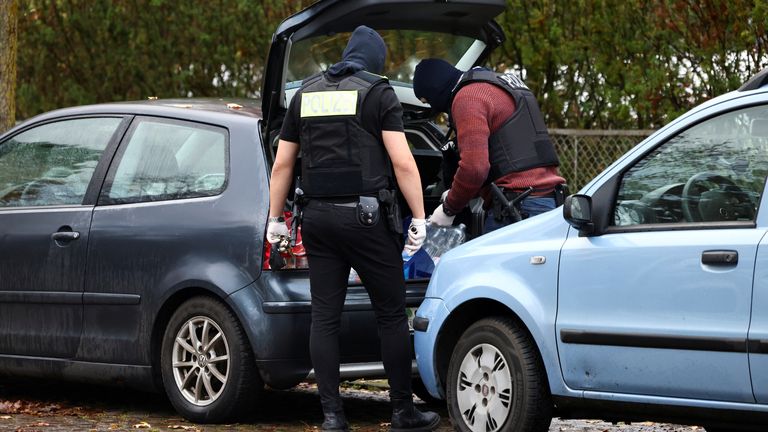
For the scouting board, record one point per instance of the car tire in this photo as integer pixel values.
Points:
(207, 364)
(496, 381)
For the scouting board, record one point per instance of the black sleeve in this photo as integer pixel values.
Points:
(382, 110)
(391, 110)
(290, 130)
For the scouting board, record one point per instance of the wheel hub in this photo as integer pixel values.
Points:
(200, 359)
(484, 389)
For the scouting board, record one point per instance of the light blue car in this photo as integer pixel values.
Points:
(644, 298)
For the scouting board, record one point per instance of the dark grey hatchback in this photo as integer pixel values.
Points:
(132, 234)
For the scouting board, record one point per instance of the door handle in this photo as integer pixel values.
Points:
(65, 236)
(720, 258)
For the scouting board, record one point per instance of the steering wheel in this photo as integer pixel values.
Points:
(46, 192)
(202, 182)
(709, 197)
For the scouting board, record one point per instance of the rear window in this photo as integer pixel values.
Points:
(405, 48)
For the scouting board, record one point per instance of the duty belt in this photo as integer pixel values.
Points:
(511, 194)
(335, 202)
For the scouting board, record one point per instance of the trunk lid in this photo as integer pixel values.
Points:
(460, 31)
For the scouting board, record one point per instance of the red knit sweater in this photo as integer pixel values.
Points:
(478, 110)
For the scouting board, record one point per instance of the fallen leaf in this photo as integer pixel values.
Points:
(142, 425)
(40, 424)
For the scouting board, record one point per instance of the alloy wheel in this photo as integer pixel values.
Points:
(201, 360)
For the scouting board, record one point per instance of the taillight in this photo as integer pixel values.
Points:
(296, 257)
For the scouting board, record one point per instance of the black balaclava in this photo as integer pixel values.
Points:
(434, 80)
(365, 51)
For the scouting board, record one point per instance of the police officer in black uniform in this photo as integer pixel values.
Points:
(346, 124)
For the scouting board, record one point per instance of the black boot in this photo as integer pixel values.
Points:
(335, 421)
(406, 418)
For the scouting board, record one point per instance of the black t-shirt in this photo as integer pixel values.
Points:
(381, 111)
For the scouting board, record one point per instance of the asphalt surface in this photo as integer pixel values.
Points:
(31, 406)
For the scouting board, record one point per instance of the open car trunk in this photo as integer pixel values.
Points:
(461, 32)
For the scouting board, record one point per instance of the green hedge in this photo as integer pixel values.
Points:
(593, 64)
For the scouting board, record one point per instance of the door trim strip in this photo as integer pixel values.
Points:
(693, 343)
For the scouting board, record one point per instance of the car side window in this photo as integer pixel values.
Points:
(168, 160)
(52, 164)
(713, 172)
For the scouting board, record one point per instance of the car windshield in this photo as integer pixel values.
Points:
(405, 48)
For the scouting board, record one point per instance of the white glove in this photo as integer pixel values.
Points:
(444, 196)
(417, 232)
(275, 230)
(440, 218)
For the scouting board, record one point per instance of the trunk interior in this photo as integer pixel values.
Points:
(291, 285)
(425, 139)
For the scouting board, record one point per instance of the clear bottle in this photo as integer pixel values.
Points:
(456, 236)
(436, 242)
(442, 239)
(430, 245)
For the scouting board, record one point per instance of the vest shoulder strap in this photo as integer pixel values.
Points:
(508, 81)
(370, 78)
(311, 80)
(363, 79)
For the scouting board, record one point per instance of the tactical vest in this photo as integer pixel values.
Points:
(522, 142)
(338, 156)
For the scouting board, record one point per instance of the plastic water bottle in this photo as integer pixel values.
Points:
(456, 236)
(432, 242)
(442, 239)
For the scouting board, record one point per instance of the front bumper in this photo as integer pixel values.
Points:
(433, 314)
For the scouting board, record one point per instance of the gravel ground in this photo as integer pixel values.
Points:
(31, 406)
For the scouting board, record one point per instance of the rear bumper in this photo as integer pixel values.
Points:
(279, 336)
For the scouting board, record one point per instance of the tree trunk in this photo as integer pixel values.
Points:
(8, 38)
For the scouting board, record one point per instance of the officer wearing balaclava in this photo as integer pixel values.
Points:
(347, 125)
(501, 138)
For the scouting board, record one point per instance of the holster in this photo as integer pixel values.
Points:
(502, 212)
(392, 212)
(561, 191)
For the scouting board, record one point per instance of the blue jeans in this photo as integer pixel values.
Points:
(532, 205)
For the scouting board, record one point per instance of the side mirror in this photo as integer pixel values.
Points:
(577, 211)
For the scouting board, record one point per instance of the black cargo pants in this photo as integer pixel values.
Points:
(335, 240)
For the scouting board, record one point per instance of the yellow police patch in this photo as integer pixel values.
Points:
(329, 103)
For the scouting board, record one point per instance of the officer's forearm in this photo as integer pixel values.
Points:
(406, 171)
(278, 191)
(280, 180)
(409, 182)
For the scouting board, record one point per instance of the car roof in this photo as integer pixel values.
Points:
(209, 110)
